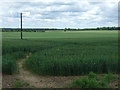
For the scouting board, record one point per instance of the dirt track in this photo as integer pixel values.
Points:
(37, 80)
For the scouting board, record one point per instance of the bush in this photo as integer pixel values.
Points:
(92, 81)
(85, 82)
(92, 75)
(109, 78)
(80, 83)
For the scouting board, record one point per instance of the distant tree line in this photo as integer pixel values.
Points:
(54, 29)
(98, 28)
(103, 28)
(28, 29)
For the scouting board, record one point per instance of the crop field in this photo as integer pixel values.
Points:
(61, 53)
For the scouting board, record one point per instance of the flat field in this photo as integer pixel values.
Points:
(61, 53)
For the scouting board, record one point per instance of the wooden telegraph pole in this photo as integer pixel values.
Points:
(21, 15)
(21, 26)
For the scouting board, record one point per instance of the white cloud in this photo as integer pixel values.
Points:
(68, 13)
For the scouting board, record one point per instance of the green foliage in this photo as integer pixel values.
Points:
(86, 82)
(118, 87)
(9, 65)
(9, 62)
(19, 84)
(92, 75)
(93, 81)
(19, 55)
(72, 59)
(109, 78)
(64, 53)
(80, 83)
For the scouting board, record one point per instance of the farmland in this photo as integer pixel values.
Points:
(61, 53)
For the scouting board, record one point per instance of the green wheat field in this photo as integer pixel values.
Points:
(61, 53)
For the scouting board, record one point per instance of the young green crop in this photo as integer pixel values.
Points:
(73, 60)
(64, 53)
(9, 65)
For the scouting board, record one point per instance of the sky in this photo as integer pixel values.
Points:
(59, 13)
